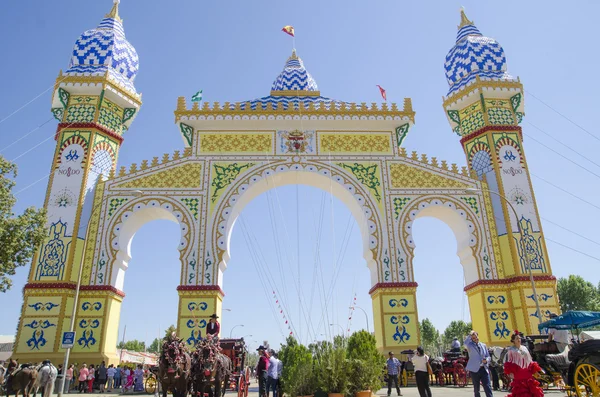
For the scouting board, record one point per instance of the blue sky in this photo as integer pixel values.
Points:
(233, 51)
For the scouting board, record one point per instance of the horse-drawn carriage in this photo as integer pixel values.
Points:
(237, 352)
(579, 366)
(452, 369)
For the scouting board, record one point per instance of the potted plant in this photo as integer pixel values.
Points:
(331, 367)
(365, 364)
(298, 377)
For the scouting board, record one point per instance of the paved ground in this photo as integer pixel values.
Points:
(406, 392)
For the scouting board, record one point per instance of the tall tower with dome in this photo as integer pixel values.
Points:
(234, 151)
(94, 102)
(485, 107)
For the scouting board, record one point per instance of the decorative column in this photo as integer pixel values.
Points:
(395, 316)
(196, 304)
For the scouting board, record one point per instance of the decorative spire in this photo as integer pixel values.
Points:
(464, 21)
(114, 12)
(294, 56)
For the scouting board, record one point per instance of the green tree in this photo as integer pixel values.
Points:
(133, 345)
(298, 377)
(252, 358)
(170, 330)
(458, 329)
(365, 362)
(19, 235)
(575, 293)
(155, 346)
(429, 337)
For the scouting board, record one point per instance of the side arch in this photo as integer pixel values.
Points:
(464, 217)
(323, 175)
(114, 244)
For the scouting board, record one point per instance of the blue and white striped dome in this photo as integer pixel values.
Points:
(294, 77)
(105, 48)
(474, 55)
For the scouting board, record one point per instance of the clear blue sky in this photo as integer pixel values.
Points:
(233, 52)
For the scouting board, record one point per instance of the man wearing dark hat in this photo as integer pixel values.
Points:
(261, 371)
(213, 328)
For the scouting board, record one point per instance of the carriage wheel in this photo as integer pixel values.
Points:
(242, 386)
(587, 380)
(247, 379)
(461, 375)
(441, 377)
(150, 385)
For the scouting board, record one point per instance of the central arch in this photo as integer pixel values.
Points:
(321, 175)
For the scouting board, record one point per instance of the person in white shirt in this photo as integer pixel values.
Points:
(421, 363)
(273, 372)
(560, 336)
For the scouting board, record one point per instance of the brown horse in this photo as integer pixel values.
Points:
(20, 379)
(210, 370)
(175, 377)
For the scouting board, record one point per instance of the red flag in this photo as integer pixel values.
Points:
(286, 321)
(382, 91)
(289, 29)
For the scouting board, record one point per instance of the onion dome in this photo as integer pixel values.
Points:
(106, 50)
(474, 55)
(292, 87)
(294, 77)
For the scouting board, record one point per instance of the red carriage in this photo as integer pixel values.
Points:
(237, 352)
(452, 370)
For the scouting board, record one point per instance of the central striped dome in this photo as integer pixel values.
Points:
(294, 77)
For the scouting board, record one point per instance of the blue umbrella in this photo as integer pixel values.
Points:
(572, 319)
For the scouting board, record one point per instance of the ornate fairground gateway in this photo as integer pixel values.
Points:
(234, 152)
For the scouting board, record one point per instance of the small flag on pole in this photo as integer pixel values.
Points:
(289, 29)
(382, 91)
(197, 97)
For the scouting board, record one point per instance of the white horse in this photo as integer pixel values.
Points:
(47, 374)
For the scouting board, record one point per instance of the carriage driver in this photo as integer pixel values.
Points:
(213, 328)
(560, 336)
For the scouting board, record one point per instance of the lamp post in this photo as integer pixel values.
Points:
(244, 337)
(366, 317)
(61, 383)
(234, 327)
(535, 296)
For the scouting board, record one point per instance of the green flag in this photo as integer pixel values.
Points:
(197, 97)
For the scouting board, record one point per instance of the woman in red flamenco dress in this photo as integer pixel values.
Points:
(521, 368)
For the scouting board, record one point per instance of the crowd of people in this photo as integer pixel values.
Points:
(85, 379)
(518, 365)
(268, 372)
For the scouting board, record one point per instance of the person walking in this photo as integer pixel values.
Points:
(393, 369)
(90, 378)
(68, 379)
(422, 371)
(110, 374)
(83, 375)
(101, 375)
(479, 360)
(118, 377)
(261, 371)
(273, 374)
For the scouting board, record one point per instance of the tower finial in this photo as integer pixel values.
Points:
(464, 21)
(114, 12)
